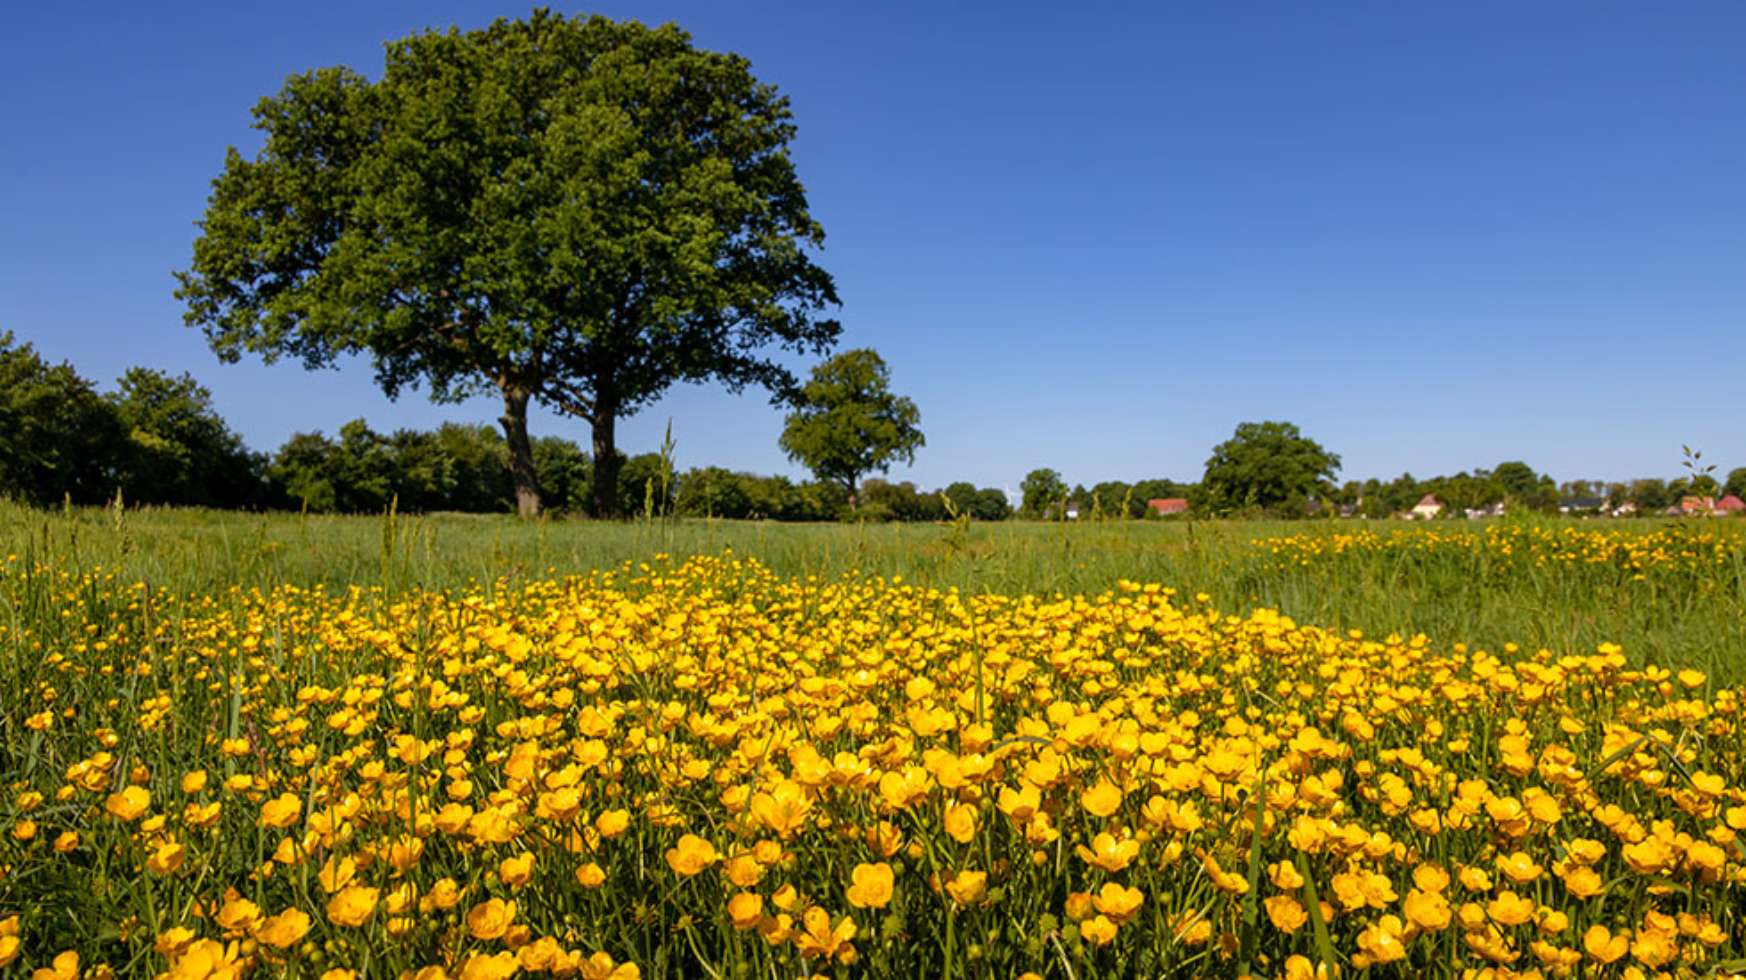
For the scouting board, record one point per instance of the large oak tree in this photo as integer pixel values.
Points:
(574, 212)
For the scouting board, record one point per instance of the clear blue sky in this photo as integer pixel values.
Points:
(1087, 236)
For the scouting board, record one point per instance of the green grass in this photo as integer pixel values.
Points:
(1679, 613)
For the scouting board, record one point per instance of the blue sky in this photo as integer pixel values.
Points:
(1087, 236)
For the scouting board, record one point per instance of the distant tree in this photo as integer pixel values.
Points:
(643, 480)
(58, 438)
(175, 449)
(364, 469)
(1040, 494)
(991, 505)
(572, 211)
(887, 501)
(1269, 465)
(1736, 483)
(819, 500)
(457, 467)
(1521, 486)
(713, 492)
(302, 472)
(963, 497)
(565, 474)
(847, 422)
(1115, 499)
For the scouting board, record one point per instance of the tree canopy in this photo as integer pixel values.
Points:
(847, 422)
(577, 212)
(1041, 493)
(58, 440)
(175, 446)
(1267, 465)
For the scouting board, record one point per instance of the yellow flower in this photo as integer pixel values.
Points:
(238, 915)
(281, 811)
(166, 858)
(784, 809)
(336, 873)
(819, 938)
(1109, 853)
(66, 966)
(1510, 909)
(1382, 940)
(352, 905)
(590, 875)
(490, 919)
(129, 803)
(516, 871)
(612, 823)
(601, 967)
(1428, 911)
(284, 930)
(1101, 800)
(1117, 902)
(746, 908)
(969, 887)
(1285, 913)
(1603, 946)
(961, 822)
(872, 886)
(1583, 882)
(499, 966)
(1519, 868)
(1098, 930)
(691, 856)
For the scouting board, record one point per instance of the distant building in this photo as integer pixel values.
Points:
(1731, 505)
(1625, 509)
(1427, 507)
(1167, 506)
(1582, 505)
(1694, 506)
(1489, 510)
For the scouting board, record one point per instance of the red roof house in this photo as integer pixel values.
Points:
(1166, 506)
(1731, 505)
(1696, 505)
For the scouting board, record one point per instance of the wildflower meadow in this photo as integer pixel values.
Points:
(704, 766)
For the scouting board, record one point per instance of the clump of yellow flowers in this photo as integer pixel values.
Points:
(702, 769)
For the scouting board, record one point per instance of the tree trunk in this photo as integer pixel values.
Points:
(606, 463)
(521, 460)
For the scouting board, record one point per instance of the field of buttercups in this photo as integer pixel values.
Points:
(703, 768)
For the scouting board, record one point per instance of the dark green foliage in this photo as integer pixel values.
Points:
(1267, 466)
(58, 438)
(577, 212)
(640, 486)
(714, 491)
(1041, 493)
(848, 423)
(885, 501)
(984, 504)
(454, 468)
(565, 475)
(175, 448)
(457, 467)
(1736, 483)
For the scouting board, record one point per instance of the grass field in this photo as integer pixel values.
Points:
(1668, 592)
(471, 747)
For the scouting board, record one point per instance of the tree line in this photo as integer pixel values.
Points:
(156, 439)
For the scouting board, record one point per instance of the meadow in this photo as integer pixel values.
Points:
(468, 747)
